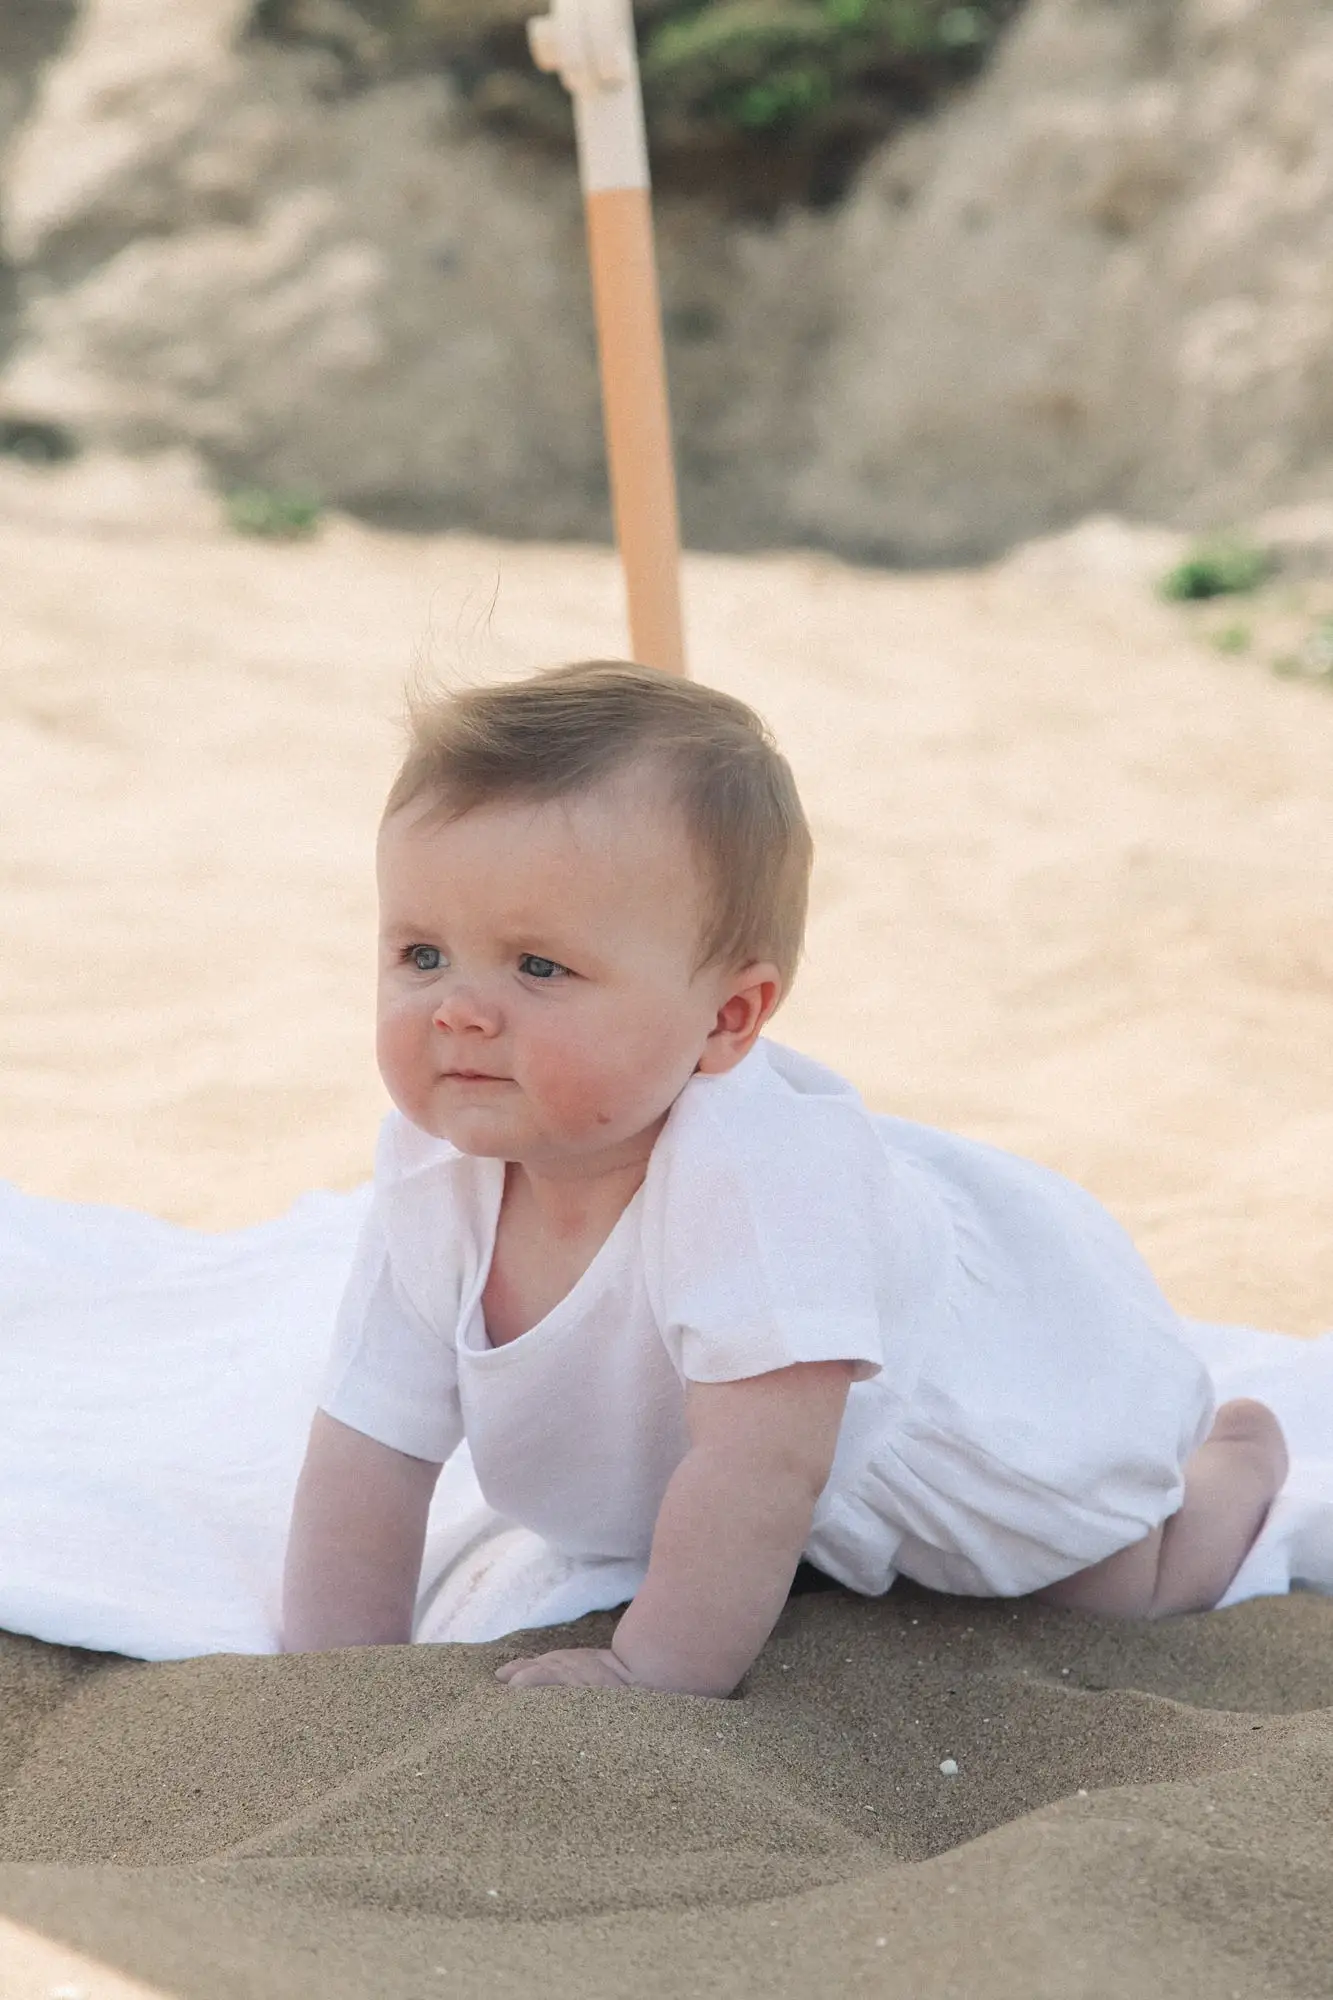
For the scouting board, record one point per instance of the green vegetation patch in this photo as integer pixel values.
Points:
(790, 94)
(280, 515)
(1232, 639)
(806, 66)
(1221, 568)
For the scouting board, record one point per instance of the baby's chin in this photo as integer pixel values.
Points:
(494, 1133)
(490, 1135)
(571, 1158)
(475, 1137)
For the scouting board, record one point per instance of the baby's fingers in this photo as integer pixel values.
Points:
(541, 1672)
(574, 1666)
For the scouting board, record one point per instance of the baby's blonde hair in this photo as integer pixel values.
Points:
(572, 728)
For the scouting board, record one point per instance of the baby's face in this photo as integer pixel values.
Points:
(537, 994)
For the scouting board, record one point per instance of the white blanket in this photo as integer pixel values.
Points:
(157, 1385)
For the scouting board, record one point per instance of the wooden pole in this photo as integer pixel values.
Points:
(591, 44)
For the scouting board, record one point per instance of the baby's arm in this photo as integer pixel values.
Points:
(732, 1524)
(727, 1541)
(356, 1540)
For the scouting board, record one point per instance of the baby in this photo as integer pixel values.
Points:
(688, 1301)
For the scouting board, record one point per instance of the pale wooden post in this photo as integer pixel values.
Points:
(591, 44)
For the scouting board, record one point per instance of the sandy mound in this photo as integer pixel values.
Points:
(1072, 897)
(393, 1822)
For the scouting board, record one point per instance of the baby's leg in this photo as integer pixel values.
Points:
(1188, 1562)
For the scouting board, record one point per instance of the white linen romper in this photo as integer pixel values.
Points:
(1023, 1402)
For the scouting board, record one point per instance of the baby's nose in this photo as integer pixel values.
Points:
(463, 1008)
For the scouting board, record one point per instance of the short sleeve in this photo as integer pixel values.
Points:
(765, 1224)
(391, 1374)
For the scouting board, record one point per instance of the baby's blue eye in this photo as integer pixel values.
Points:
(538, 968)
(414, 952)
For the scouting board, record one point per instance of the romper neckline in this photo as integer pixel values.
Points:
(473, 1339)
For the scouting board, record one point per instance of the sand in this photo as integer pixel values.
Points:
(1072, 895)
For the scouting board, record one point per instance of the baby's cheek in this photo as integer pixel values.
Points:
(580, 1089)
(388, 1038)
(605, 1088)
(398, 1042)
(574, 1096)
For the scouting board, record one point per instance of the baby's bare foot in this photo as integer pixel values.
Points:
(1231, 1483)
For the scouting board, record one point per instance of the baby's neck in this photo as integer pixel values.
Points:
(573, 1203)
(548, 1233)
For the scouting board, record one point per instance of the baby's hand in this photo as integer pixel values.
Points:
(577, 1666)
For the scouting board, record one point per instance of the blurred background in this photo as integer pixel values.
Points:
(1000, 340)
(936, 276)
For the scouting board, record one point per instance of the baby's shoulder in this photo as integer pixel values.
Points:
(774, 1134)
(775, 1096)
(774, 1229)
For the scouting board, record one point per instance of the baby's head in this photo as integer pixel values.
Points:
(592, 885)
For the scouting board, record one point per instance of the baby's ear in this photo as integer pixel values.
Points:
(747, 1001)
